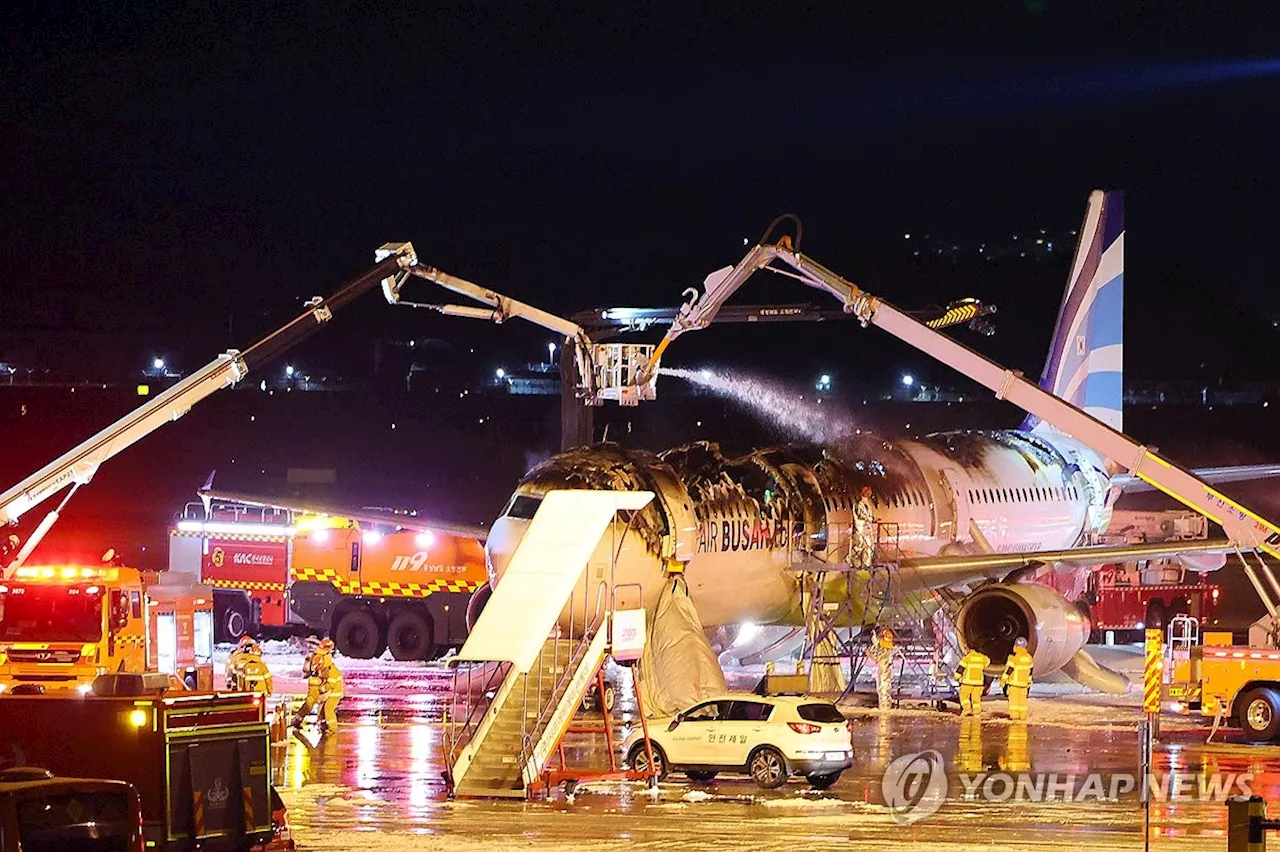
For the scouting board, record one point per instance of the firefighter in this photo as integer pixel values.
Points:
(1016, 679)
(862, 551)
(252, 674)
(331, 694)
(315, 669)
(882, 652)
(236, 658)
(971, 677)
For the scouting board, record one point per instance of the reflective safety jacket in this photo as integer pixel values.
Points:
(332, 687)
(252, 675)
(1017, 671)
(972, 668)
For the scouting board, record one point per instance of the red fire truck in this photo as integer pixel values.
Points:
(1125, 599)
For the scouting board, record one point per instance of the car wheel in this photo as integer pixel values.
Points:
(639, 760)
(1259, 712)
(609, 697)
(702, 776)
(822, 780)
(768, 768)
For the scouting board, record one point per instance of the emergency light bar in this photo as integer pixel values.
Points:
(67, 572)
(226, 528)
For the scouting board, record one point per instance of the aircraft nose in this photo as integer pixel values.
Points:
(504, 538)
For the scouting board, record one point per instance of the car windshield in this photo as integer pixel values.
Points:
(52, 613)
(76, 821)
(820, 713)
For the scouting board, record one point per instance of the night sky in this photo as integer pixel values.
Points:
(189, 171)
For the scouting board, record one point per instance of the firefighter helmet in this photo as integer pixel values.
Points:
(244, 643)
(1020, 642)
(865, 492)
(325, 646)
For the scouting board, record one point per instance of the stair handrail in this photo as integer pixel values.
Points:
(460, 734)
(574, 660)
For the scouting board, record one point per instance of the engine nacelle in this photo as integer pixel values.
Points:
(993, 617)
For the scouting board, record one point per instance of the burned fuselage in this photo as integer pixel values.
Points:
(738, 526)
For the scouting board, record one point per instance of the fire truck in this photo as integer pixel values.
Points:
(61, 626)
(366, 583)
(201, 763)
(1126, 598)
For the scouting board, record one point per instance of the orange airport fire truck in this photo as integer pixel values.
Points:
(61, 626)
(371, 583)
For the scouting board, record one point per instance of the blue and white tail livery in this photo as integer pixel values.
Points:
(1085, 366)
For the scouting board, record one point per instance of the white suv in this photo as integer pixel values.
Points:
(769, 738)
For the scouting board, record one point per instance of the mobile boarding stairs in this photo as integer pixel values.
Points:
(536, 649)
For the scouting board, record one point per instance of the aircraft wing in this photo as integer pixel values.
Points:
(1131, 484)
(364, 516)
(934, 572)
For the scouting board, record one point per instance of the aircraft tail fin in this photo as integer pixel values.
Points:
(1085, 366)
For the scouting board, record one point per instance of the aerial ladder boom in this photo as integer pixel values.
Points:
(1246, 529)
(605, 371)
(78, 465)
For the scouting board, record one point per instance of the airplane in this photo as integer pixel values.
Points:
(974, 516)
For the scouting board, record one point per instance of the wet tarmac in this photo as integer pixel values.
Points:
(379, 783)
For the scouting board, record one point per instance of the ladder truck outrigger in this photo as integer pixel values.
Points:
(1255, 701)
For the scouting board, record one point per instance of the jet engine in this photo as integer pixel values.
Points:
(993, 617)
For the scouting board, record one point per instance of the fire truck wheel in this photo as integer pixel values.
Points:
(358, 636)
(1259, 711)
(1157, 616)
(475, 606)
(409, 637)
(235, 621)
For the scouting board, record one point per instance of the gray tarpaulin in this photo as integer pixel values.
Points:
(679, 667)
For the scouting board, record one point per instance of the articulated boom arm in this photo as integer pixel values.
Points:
(1245, 528)
(78, 465)
(604, 371)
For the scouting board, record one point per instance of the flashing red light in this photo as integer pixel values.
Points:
(1214, 593)
(92, 590)
(257, 702)
(804, 727)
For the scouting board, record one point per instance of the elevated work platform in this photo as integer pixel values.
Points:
(535, 649)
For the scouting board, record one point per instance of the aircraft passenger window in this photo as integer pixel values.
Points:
(524, 507)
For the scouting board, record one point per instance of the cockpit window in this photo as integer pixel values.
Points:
(524, 507)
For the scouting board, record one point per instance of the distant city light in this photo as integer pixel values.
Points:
(144, 390)
(288, 370)
(824, 382)
(551, 350)
(908, 379)
(706, 374)
(500, 373)
(158, 364)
